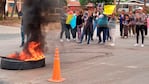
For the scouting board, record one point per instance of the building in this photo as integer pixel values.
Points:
(128, 5)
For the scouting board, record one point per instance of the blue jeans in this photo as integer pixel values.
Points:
(104, 30)
(94, 24)
(68, 28)
(121, 29)
(22, 35)
(63, 29)
(89, 37)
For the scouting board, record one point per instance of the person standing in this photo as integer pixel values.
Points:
(22, 34)
(126, 24)
(22, 30)
(132, 24)
(68, 26)
(112, 28)
(85, 18)
(63, 23)
(102, 25)
(73, 25)
(140, 19)
(95, 18)
(88, 28)
(79, 24)
(145, 24)
(121, 19)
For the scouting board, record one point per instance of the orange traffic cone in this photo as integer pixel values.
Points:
(56, 77)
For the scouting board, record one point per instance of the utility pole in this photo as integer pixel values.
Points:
(145, 3)
(114, 2)
(117, 7)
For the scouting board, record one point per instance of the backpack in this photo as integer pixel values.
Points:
(102, 21)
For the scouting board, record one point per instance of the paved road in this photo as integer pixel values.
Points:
(81, 63)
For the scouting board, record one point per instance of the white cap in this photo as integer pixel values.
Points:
(139, 8)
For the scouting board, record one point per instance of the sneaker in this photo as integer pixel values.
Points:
(80, 42)
(22, 44)
(112, 44)
(74, 39)
(142, 45)
(136, 44)
(68, 40)
(102, 43)
(61, 40)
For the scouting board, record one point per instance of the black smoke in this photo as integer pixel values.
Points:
(35, 17)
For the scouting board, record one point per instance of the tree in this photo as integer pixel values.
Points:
(145, 3)
(83, 2)
(2, 8)
(63, 3)
(118, 5)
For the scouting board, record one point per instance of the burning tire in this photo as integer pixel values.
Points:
(12, 64)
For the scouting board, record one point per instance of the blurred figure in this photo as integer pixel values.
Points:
(73, 25)
(85, 18)
(132, 23)
(112, 28)
(79, 24)
(126, 24)
(121, 19)
(95, 18)
(22, 30)
(68, 26)
(140, 19)
(88, 28)
(22, 34)
(145, 23)
(63, 23)
(102, 25)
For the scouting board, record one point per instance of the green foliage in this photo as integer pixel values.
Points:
(103, 1)
(83, 2)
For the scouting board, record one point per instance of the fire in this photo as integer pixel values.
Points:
(34, 53)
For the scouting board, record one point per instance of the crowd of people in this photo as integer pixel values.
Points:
(134, 23)
(83, 23)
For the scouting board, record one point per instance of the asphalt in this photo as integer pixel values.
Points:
(80, 63)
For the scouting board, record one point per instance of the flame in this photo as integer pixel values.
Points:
(35, 53)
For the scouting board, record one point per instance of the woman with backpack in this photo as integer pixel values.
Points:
(102, 25)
